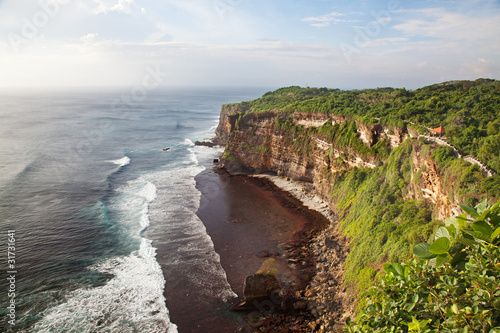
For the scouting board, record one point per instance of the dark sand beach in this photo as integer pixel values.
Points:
(250, 220)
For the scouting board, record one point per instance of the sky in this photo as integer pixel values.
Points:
(267, 43)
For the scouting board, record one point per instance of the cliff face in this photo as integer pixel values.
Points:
(225, 126)
(291, 146)
(430, 185)
(382, 184)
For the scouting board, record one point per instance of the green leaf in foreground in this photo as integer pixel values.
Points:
(467, 241)
(470, 211)
(440, 259)
(455, 291)
(442, 232)
(483, 228)
(422, 251)
(395, 268)
(440, 246)
(417, 325)
(495, 233)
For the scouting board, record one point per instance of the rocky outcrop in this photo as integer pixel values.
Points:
(226, 124)
(430, 186)
(204, 143)
(260, 286)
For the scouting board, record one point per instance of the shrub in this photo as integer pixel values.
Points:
(453, 287)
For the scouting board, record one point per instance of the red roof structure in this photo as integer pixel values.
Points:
(440, 130)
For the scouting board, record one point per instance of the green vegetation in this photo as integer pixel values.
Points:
(453, 287)
(376, 215)
(469, 110)
(259, 149)
(461, 177)
(283, 97)
(380, 219)
(228, 156)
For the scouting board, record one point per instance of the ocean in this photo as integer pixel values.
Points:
(86, 176)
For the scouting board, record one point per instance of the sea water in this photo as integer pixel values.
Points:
(83, 175)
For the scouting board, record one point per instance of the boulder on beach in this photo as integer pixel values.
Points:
(263, 284)
(260, 286)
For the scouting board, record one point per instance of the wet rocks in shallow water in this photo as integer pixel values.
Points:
(204, 143)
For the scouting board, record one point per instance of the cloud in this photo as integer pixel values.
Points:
(105, 6)
(89, 38)
(160, 35)
(380, 42)
(450, 25)
(248, 44)
(325, 20)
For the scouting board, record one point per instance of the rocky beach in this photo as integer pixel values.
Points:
(254, 218)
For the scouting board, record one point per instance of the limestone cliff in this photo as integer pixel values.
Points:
(430, 185)
(261, 143)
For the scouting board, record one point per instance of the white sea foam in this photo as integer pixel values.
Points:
(132, 300)
(206, 154)
(125, 160)
(187, 142)
(148, 192)
(191, 248)
(192, 157)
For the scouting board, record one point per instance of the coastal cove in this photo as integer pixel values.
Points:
(251, 220)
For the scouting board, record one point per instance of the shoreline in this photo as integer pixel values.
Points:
(301, 257)
(327, 297)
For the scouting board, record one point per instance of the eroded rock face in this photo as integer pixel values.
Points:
(432, 187)
(255, 144)
(225, 124)
(260, 286)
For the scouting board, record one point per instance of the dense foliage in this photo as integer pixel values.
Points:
(454, 287)
(375, 214)
(469, 110)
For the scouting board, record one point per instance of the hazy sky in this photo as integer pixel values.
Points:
(272, 43)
